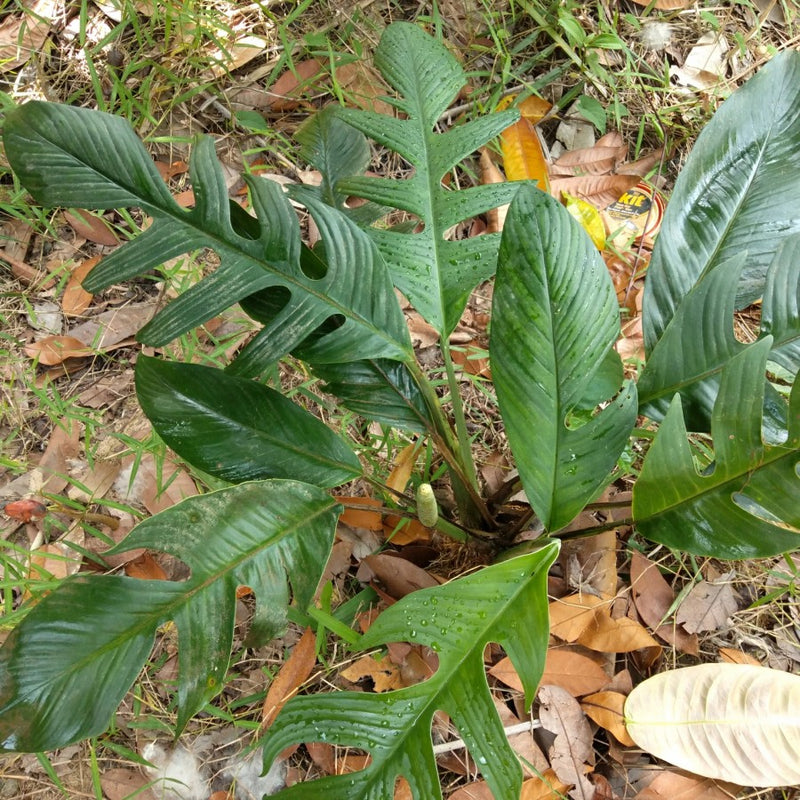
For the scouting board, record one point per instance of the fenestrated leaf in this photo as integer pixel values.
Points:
(505, 603)
(738, 193)
(237, 429)
(379, 390)
(731, 722)
(554, 320)
(699, 340)
(435, 274)
(67, 665)
(75, 157)
(746, 507)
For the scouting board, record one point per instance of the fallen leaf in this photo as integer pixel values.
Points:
(53, 560)
(668, 785)
(394, 574)
(523, 154)
(285, 93)
(571, 615)
(599, 190)
(490, 173)
(294, 672)
(333, 761)
(383, 673)
(403, 467)
(653, 598)
(572, 671)
(571, 754)
(704, 66)
(621, 635)
(236, 54)
(115, 327)
(472, 358)
(63, 447)
(24, 33)
(589, 218)
(363, 516)
(76, 299)
(145, 568)
(665, 5)
(56, 349)
(605, 708)
(730, 656)
(163, 487)
(403, 531)
(121, 784)
(708, 605)
(364, 86)
(92, 227)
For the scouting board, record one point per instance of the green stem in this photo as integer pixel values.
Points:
(471, 506)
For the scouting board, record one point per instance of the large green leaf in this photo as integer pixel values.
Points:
(504, 603)
(237, 429)
(75, 157)
(379, 390)
(700, 341)
(554, 320)
(746, 505)
(437, 274)
(67, 665)
(738, 193)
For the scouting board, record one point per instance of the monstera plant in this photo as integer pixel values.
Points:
(731, 235)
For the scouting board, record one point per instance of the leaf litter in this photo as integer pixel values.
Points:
(577, 684)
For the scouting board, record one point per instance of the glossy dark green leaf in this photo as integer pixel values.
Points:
(700, 340)
(436, 273)
(738, 193)
(554, 320)
(746, 506)
(76, 157)
(379, 390)
(237, 429)
(504, 603)
(67, 665)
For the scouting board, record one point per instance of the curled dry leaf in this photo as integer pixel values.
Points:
(571, 754)
(708, 605)
(384, 674)
(92, 227)
(56, 349)
(294, 672)
(653, 598)
(394, 574)
(23, 33)
(605, 708)
(76, 299)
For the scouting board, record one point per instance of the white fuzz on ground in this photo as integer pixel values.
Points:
(656, 35)
(177, 773)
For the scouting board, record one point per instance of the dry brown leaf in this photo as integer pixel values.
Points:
(384, 674)
(285, 93)
(605, 708)
(53, 559)
(336, 762)
(708, 605)
(394, 574)
(477, 790)
(364, 517)
(595, 160)
(548, 787)
(236, 54)
(53, 350)
(653, 598)
(490, 173)
(62, 448)
(403, 467)
(116, 327)
(76, 299)
(365, 88)
(571, 754)
(292, 675)
(576, 673)
(402, 531)
(622, 635)
(94, 228)
(523, 154)
(423, 334)
(472, 358)
(162, 489)
(668, 785)
(145, 568)
(24, 33)
(571, 615)
(120, 784)
(730, 656)
(599, 190)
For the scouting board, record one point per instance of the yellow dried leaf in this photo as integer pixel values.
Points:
(605, 708)
(589, 217)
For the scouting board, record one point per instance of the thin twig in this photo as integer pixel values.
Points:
(511, 730)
